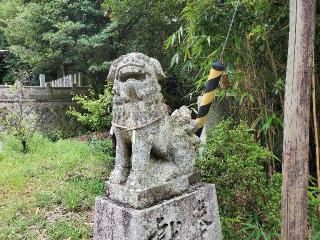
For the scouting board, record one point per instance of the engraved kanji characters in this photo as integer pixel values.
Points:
(166, 231)
(202, 222)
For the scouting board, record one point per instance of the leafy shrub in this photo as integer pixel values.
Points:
(314, 208)
(249, 201)
(95, 110)
(16, 120)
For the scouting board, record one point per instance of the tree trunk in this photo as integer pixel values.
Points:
(24, 146)
(296, 120)
(315, 125)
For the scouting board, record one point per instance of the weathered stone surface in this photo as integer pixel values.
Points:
(191, 216)
(219, 110)
(48, 104)
(154, 149)
(152, 193)
(145, 197)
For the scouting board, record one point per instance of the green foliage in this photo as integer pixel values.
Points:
(11, 64)
(254, 230)
(63, 229)
(249, 200)
(255, 57)
(144, 25)
(16, 121)
(50, 191)
(8, 10)
(58, 37)
(314, 208)
(95, 110)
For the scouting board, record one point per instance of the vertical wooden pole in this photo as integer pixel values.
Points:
(296, 120)
(315, 124)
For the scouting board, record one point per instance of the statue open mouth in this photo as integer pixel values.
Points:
(131, 71)
(132, 75)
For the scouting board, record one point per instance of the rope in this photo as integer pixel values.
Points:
(142, 125)
(230, 27)
(217, 69)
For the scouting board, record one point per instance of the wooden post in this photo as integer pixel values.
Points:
(296, 120)
(315, 126)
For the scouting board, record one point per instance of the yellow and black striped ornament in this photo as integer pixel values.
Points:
(217, 69)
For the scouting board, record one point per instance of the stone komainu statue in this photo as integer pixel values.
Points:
(152, 192)
(155, 151)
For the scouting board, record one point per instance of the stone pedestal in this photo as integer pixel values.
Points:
(192, 216)
(149, 196)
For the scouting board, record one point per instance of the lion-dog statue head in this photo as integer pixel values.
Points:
(137, 93)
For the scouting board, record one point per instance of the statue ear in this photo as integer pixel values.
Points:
(112, 73)
(113, 69)
(157, 66)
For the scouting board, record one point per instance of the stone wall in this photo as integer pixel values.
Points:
(48, 103)
(37, 93)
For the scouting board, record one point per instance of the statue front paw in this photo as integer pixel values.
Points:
(135, 180)
(119, 175)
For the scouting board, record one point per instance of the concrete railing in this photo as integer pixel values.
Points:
(66, 81)
(72, 80)
(43, 94)
(61, 89)
(49, 102)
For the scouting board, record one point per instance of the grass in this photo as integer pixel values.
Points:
(49, 192)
